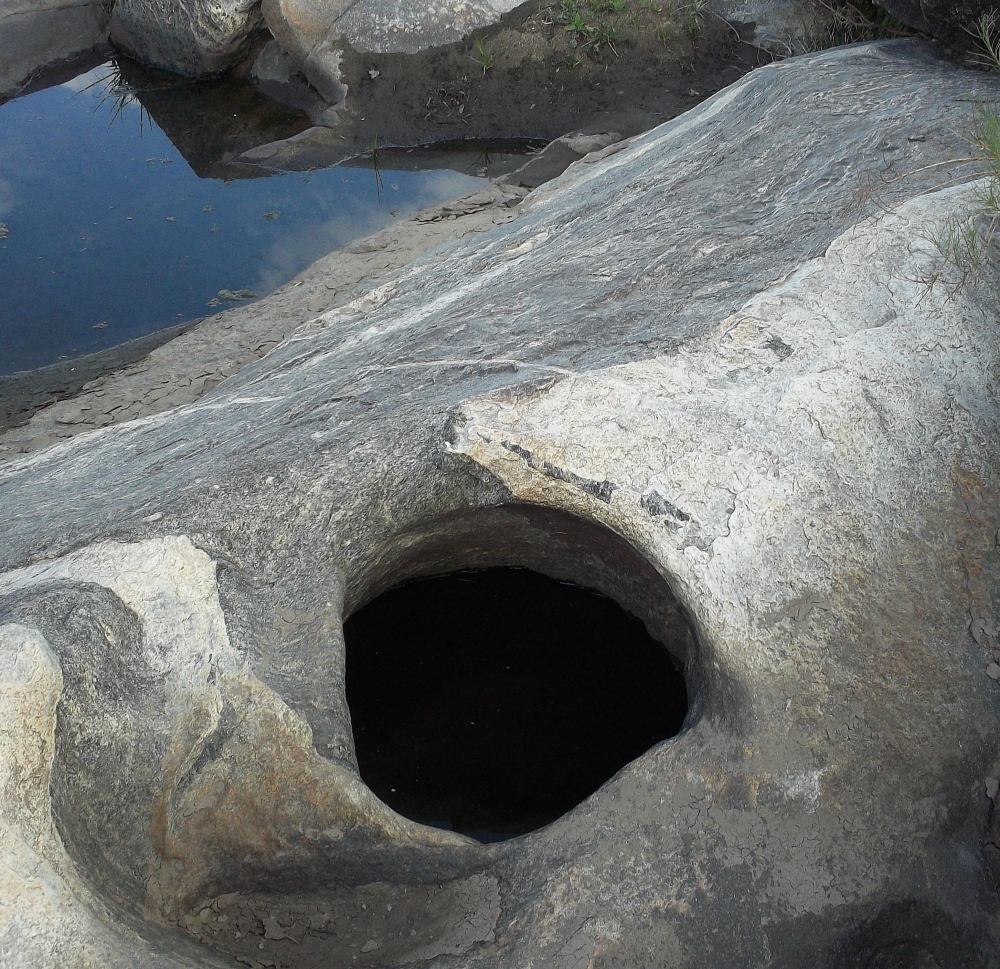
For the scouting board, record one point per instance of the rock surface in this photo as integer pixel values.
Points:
(314, 33)
(377, 26)
(782, 27)
(721, 370)
(34, 35)
(947, 20)
(407, 26)
(192, 37)
(187, 367)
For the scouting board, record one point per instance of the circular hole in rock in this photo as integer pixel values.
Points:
(491, 702)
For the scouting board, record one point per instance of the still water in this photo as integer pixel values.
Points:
(123, 212)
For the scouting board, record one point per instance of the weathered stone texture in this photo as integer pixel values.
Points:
(724, 366)
(379, 26)
(193, 37)
(783, 27)
(948, 20)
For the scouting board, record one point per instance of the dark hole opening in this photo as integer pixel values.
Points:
(492, 702)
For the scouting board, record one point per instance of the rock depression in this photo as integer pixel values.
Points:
(723, 376)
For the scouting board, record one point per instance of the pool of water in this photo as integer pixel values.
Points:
(122, 210)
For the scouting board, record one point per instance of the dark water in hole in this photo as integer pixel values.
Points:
(492, 702)
(122, 211)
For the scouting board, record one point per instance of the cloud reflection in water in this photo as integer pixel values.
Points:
(108, 222)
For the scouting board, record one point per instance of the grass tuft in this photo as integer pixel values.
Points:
(966, 242)
(484, 54)
(986, 34)
(692, 17)
(856, 21)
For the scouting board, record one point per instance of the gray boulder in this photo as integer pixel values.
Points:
(782, 27)
(322, 69)
(315, 32)
(947, 20)
(722, 373)
(299, 25)
(408, 26)
(35, 35)
(273, 65)
(191, 37)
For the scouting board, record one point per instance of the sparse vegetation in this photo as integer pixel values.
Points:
(967, 242)
(692, 16)
(986, 35)
(665, 33)
(605, 36)
(590, 34)
(484, 54)
(598, 26)
(855, 21)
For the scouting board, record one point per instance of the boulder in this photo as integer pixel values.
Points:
(36, 35)
(781, 27)
(723, 372)
(322, 69)
(299, 25)
(408, 26)
(191, 37)
(946, 20)
(273, 65)
(377, 26)
(314, 32)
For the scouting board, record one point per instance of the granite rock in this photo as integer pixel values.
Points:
(191, 37)
(946, 20)
(720, 374)
(377, 26)
(782, 27)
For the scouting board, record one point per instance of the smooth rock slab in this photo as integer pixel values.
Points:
(722, 373)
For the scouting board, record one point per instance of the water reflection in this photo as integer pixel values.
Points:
(125, 213)
(208, 122)
(484, 159)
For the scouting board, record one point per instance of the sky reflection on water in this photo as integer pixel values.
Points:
(111, 235)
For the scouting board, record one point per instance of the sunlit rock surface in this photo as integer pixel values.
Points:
(723, 367)
(314, 32)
